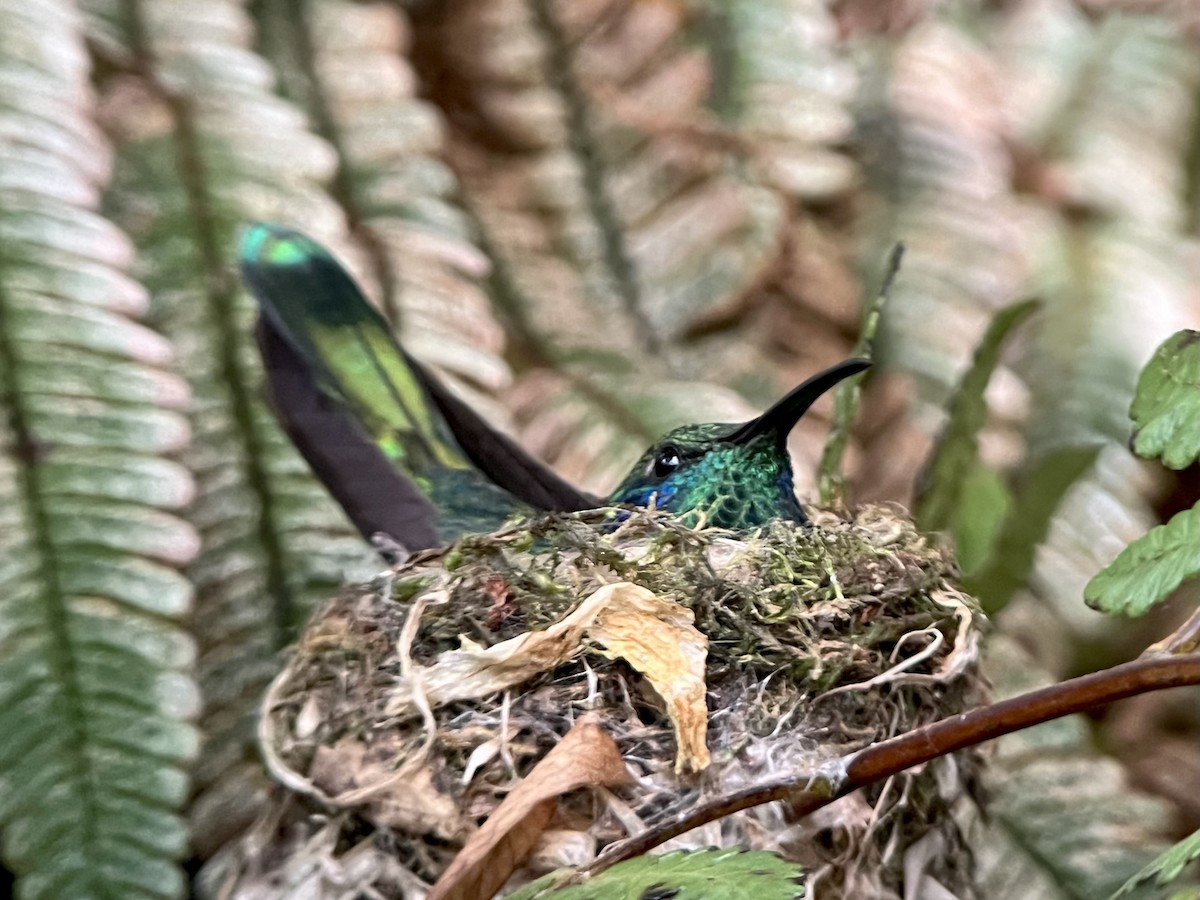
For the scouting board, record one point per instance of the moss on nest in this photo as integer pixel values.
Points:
(820, 641)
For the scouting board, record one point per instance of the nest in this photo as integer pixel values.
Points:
(413, 705)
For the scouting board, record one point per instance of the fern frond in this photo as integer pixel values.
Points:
(1064, 821)
(95, 687)
(941, 173)
(203, 147)
(1100, 267)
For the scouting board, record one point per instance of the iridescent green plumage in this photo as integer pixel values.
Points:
(720, 483)
(730, 476)
(404, 456)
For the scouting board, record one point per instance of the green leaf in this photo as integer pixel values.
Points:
(957, 449)
(1166, 409)
(700, 875)
(1026, 524)
(984, 503)
(96, 693)
(1166, 869)
(1147, 571)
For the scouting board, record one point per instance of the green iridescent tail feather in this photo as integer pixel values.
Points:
(312, 302)
(394, 446)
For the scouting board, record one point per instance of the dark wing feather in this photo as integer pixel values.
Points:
(418, 426)
(374, 494)
(501, 458)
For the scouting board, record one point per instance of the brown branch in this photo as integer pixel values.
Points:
(882, 760)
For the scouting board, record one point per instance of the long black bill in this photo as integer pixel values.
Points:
(782, 417)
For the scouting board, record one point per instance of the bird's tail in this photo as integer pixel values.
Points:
(313, 304)
(328, 350)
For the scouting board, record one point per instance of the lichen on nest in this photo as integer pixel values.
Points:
(414, 703)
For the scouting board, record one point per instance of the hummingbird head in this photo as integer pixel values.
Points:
(735, 476)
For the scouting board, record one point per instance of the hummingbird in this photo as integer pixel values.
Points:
(406, 457)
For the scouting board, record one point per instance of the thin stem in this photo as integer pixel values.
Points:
(847, 394)
(810, 792)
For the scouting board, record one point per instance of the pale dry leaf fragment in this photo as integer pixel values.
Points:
(586, 757)
(484, 754)
(657, 638)
(308, 720)
(476, 671)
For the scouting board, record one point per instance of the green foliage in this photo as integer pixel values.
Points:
(985, 502)
(1166, 408)
(1165, 871)
(943, 483)
(1024, 527)
(708, 874)
(1147, 571)
(96, 693)
(1167, 418)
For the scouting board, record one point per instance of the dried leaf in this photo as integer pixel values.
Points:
(657, 638)
(475, 671)
(586, 757)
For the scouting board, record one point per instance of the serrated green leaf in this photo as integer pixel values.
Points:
(954, 456)
(1149, 569)
(699, 875)
(1165, 870)
(1166, 408)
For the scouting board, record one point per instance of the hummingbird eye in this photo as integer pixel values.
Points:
(666, 462)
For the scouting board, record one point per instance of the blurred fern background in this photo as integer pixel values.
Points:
(597, 220)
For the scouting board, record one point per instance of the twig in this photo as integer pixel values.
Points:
(1184, 639)
(879, 761)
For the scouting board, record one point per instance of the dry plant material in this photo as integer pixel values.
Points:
(658, 639)
(715, 662)
(586, 757)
